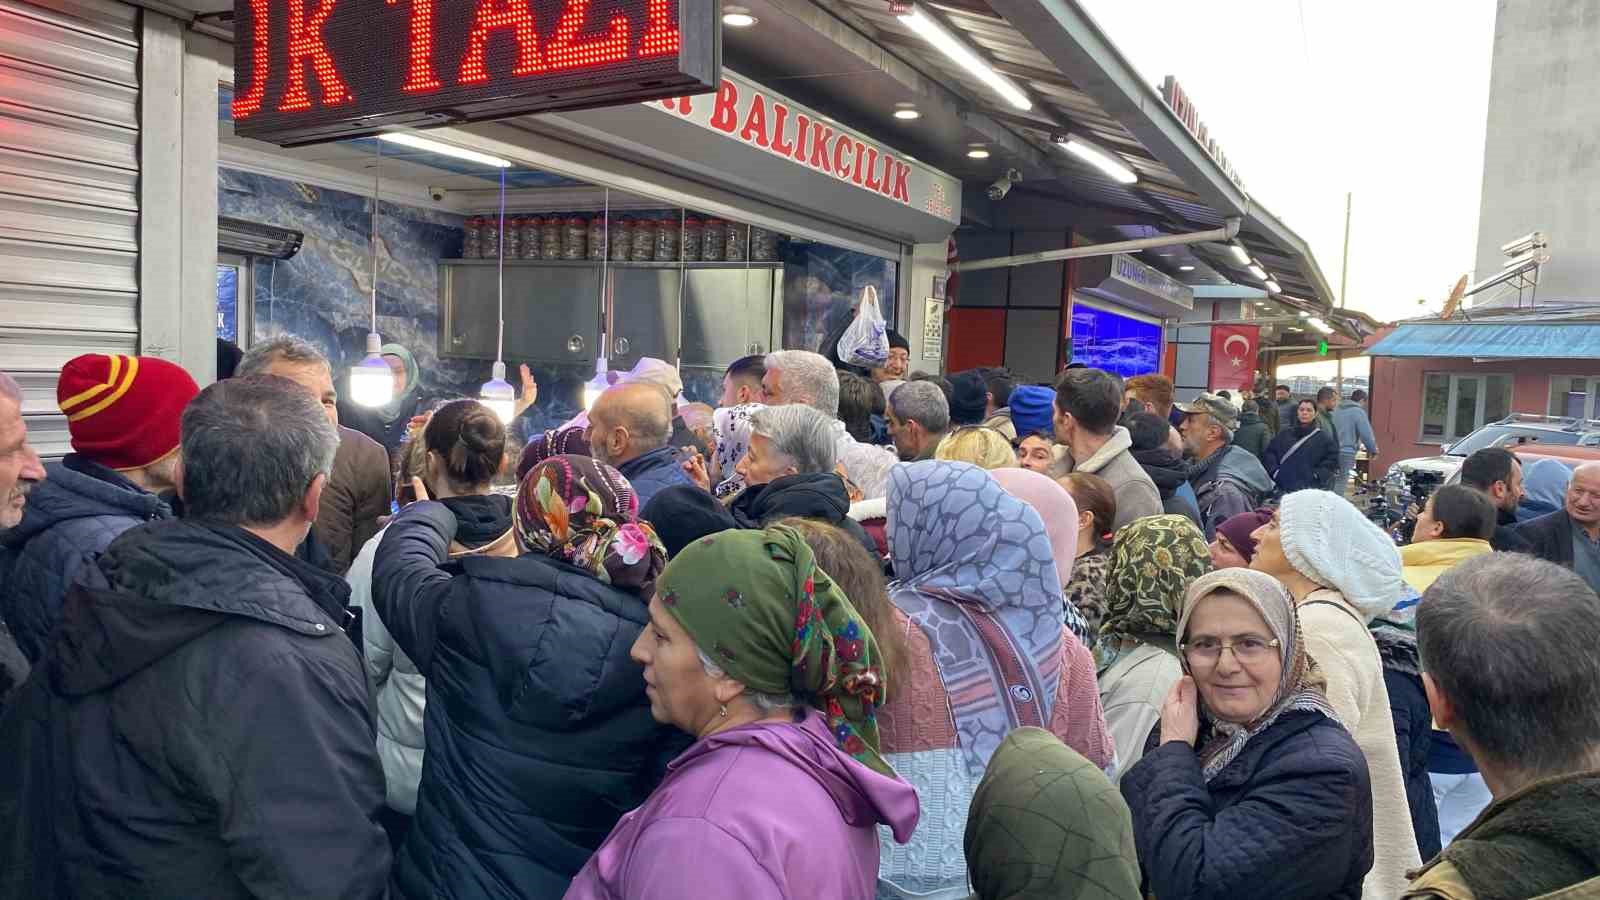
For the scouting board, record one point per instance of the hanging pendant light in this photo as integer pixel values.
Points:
(497, 393)
(371, 381)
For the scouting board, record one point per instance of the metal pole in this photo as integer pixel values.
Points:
(1344, 279)
(1226, 233)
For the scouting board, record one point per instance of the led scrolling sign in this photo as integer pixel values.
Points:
(318, 70)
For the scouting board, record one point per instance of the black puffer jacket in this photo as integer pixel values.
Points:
(198, 727)
(1291, 816)
(1413, 734)
(539, 733)
(683, 515)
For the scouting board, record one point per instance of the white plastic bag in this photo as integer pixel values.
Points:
(866, 342)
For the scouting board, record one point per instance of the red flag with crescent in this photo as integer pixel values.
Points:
(1233, 357)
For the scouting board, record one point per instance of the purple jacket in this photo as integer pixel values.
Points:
(770, 810)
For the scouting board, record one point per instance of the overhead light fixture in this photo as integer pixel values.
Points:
(371, 381)
(1240, 255)
(497, 393)
(934, 33)
(906, 112)
(1304, 314)
(418, 142)
(1259, 273)
(1186, 268)
(738, 17)
(1272, 287)
(977, 153)
(1318, 324)
(1103, 160)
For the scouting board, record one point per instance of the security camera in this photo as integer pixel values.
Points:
(1002, 185)
(437, 193)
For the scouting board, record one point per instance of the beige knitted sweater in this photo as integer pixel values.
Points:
(1340, 643)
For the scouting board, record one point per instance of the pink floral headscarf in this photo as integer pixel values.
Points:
(585, 513)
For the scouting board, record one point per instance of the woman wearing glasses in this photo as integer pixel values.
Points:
(1251, 787)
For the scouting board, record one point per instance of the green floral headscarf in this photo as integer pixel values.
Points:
(1153, 560)
(758, 606)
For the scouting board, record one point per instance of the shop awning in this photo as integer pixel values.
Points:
(1482, 340)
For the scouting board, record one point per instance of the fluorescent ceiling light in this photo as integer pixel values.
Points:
(977, 153)
(1100, 159)
(738, 17)
(1272, 287)
(418, 142)
(1319, 325)
(1240, 255)
(1259, 273)
(947, 43)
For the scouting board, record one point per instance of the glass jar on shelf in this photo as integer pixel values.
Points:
(763, 245)
(668, 231)
(491, 237)
(736, 244)
(716, 236)
(621, 239)
(597, 238)
(472, 238)
(693, 239)
(576, 238)
(644, 240)
(550, 238)
(513, 238)
(532, 237)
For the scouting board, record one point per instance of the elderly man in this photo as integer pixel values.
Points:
(919, 417)
(20, 471)
(359, 491)
(788, 471)
(205, 729)
(1510, 669)
(629, 430)
(1088, 404)
(1227, 479)
(1571, 537)
(799, 376)
(122, 416)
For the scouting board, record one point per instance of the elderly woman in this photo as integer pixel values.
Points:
(1153, 562)
(780, 794)
(977, 586)
(1254, 789)
(1046, 824)
(539, 732)
(1344, 572)
(984, 447)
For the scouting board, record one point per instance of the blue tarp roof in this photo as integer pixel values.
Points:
(1485, 340)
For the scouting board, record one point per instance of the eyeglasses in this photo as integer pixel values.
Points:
(1247, 650)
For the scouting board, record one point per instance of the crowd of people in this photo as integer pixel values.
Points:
(848, 634)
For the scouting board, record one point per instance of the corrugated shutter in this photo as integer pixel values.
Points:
(69, 203)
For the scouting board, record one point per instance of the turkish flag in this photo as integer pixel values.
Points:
(1233, 357)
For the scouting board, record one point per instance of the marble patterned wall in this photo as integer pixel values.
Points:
(323, 293)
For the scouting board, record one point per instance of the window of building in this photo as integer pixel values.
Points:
(233, 298)
(1454, 406)
(1574, 396)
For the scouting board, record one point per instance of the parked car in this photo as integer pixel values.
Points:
(1517, 431)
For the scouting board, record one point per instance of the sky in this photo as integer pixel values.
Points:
(1310, 99)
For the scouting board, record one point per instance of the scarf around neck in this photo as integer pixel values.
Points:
(974, 568)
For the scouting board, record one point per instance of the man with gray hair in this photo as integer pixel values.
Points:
(20, 470)
(789, 470)
(1227, 479)
(919, 417)
(1509, 666)
(359, 490)
(806, 378)
(201, 685)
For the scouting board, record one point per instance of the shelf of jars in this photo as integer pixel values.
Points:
(577, 239)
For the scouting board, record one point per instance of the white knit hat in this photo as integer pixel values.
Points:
(1330, 542)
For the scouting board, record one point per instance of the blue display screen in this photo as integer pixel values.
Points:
(1120, 344)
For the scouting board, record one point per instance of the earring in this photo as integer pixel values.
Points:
(724, 711)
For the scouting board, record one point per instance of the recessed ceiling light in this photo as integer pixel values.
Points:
(977, 153)
(1186, 268)
(738, 17)
(906, 111)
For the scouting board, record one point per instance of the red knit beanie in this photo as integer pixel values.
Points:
(124, 412)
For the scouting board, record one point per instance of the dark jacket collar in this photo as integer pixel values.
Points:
(480, 518)
(649, 462)
(79, 488)
(818, 495)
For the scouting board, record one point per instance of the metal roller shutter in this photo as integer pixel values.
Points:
(69, 203)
